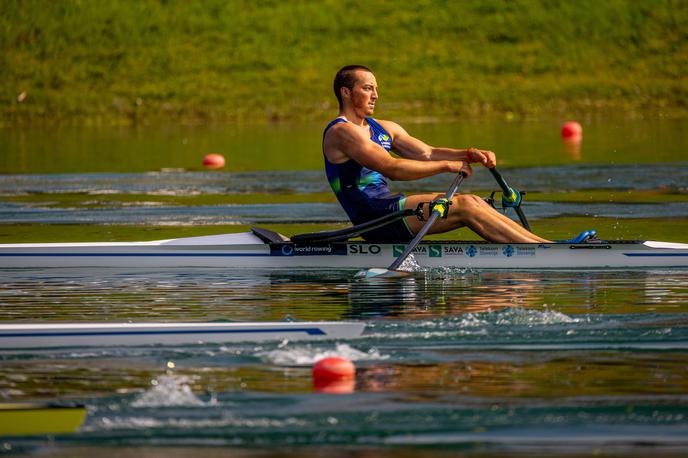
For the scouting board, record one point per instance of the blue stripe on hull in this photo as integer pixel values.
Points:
(136, 254)
(660, 255)
(309, 331)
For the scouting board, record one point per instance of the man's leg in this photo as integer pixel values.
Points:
(473, 212)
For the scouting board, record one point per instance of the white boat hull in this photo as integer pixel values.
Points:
(19, 336)
(245, 250)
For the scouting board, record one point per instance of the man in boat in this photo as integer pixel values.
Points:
(358, 163)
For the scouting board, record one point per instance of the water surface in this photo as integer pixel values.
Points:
(474, 361)
(453, 361)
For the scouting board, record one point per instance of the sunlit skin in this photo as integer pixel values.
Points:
(351, 141)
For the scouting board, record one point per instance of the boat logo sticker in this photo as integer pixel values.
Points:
(471, 251)
(289, 249)
(433, 251)
(364, 249)
(454, 250)
(508, 251)
(525, 251)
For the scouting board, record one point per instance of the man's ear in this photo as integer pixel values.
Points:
(345, 92)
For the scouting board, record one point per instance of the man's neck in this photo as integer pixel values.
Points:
(353, 118)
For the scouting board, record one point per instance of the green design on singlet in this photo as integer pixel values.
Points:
(336, 185)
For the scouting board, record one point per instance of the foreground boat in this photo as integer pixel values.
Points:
(107, 334)
(30, 419)
(265, 249)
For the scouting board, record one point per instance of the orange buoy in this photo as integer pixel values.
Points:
(334, 368)
(334, 375)
(571, 131)
(214, 161)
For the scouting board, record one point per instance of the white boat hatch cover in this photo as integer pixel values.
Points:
(242, 238)
(673, 246)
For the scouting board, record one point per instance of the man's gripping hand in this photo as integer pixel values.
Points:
(460, 167)
(484, 157)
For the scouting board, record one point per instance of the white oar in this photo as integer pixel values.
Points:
(437, 212)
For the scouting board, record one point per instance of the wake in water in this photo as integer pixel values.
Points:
(307, 355)
(168, 391)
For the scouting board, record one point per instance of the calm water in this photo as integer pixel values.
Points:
(452, 361)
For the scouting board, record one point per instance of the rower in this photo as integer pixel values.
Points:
(358, 164)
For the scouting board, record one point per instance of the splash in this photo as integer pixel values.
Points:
(411, 265)
(168, 391)
(307, 355)
(518, 316)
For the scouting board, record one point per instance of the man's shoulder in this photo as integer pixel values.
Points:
(341, 130)
(390, 126)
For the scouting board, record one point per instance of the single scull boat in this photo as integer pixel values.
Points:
(107, 334)
(266, 249)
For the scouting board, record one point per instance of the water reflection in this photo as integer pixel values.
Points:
(219, 294)
(525, 375)
(297, 146)
(572, 149)
(457, 292)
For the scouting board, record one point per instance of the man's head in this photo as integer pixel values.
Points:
(347, 77)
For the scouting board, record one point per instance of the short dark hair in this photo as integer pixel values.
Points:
(346, 77)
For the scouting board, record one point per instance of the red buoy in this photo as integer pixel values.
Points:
(214, 161)
(334, 375)
(334, 368)
(571, 131)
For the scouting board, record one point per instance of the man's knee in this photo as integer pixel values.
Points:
(468, 201)
(465, 205)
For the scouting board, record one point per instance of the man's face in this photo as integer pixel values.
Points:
(364, 93)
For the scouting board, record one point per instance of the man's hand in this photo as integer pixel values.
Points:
(485, 157)
(460, 166)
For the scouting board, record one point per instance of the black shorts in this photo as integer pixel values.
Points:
(395, 232)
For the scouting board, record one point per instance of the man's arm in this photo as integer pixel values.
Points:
(412, 148)
(346, 141)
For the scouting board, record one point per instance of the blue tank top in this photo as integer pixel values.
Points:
(362, 192)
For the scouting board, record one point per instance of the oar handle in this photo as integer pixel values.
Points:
(428, 224)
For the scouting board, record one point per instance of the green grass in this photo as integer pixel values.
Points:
(129, 62)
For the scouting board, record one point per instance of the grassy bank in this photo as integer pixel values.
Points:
(128, 62)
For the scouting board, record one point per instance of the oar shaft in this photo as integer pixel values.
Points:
(501, 182)
(428, 224)
(522, 217)
(410, 247)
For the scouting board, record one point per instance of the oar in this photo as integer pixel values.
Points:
(510, 197)
(392, 271)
